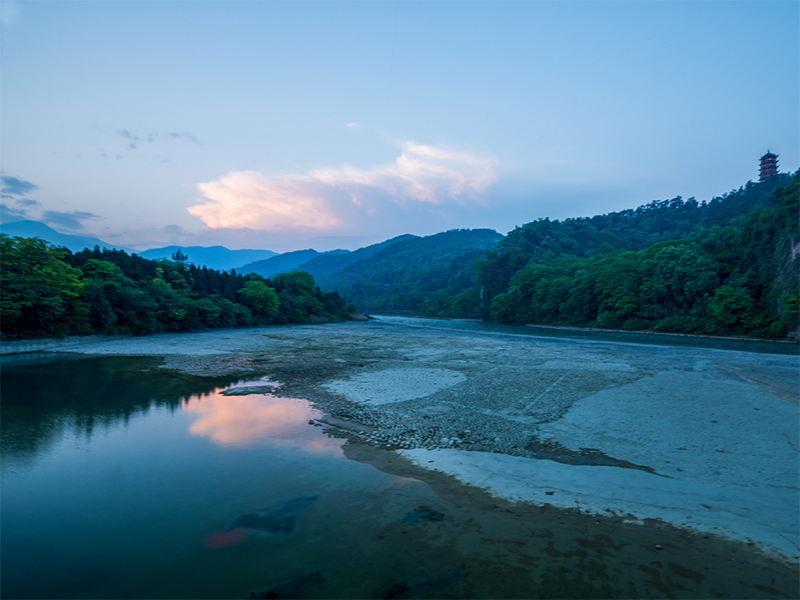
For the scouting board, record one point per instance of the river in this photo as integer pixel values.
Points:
(123, 480)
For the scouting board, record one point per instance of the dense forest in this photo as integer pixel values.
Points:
(726, 267)
(49, 291)
(412, 274)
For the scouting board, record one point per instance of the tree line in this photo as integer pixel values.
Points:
(50, 291)
(727, 267)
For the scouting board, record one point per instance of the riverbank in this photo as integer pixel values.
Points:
(700, 439)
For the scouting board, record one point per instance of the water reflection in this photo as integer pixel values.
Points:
(247, 420)
(47, 396)
(209, 496)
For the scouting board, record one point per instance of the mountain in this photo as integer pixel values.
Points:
(327, 264)
(415, 273)
(76, 243)
(631, 229)
(727, 267)
(213, 257)
(284, 263)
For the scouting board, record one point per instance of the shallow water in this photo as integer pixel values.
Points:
(661, 339)
(124, 481)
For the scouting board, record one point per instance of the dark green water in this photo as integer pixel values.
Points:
(124, 481)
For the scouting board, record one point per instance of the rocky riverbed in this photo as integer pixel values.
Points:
(702, 439)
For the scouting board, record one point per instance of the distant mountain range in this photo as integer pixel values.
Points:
(286, 262)
(316, 263)
(76, 243)
(329, 263)
(219, 258)
(214, 257)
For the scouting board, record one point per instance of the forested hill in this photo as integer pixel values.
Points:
(323, 265)
(49, 291)
(414, 273)
(632, 229)
(726, 267)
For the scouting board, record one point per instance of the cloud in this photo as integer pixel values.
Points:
(177, 135)
(353, 125)
(9, 214)
(421, 172)
(12, 186)
(244, 421)
(68, 220)
(176, 230)
(134, 140)
(250, 199)
(332, 200)
(176, 233)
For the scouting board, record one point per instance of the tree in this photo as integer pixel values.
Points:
(262, 299)
(40, 292)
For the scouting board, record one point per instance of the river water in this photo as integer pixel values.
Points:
(121, 480)
(599, 335)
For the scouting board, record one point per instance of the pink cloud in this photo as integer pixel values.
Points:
(336, 199)
(251, 199)
(244, 421)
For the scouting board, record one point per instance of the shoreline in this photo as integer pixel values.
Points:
(467, 405)
(643, 533)
(740, 338)
(28, 345)
(669, 333)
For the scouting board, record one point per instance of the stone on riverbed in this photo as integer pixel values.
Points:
(281, 521)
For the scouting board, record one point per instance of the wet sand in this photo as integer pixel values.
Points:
(657, 445)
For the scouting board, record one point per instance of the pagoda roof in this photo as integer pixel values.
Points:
(769, 155)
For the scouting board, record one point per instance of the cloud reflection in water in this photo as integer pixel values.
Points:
(243, 421)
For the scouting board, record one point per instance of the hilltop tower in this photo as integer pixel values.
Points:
(769, 166)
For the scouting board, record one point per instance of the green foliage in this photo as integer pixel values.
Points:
(299, 297)
(633, 229)
(733, 307)
(738, 279)
(48, 291)
(261, 299)
(40, 292)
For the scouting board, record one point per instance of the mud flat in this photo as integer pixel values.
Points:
(700, 440)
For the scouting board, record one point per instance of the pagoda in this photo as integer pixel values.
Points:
(769, 166)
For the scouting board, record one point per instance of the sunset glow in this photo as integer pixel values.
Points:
(247, 420)
(325, 199)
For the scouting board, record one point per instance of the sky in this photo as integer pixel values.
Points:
(289, 125)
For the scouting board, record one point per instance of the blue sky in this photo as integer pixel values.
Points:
(301, 124)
